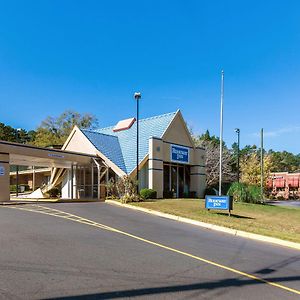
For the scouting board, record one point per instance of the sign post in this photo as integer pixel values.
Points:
(219, 203)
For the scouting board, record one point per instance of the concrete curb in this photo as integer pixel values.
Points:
(235, 232)
(48, 200)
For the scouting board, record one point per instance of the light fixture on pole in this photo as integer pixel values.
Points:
(137, 97)
(237, 130)
(17, 167)
(221, 133)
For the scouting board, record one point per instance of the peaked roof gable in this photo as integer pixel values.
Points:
(177, 131)
(108, 145)
(123, 143)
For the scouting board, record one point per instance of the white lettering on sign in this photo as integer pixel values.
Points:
(179, 154)
(2, 171)
(55, 155)
(217, 202)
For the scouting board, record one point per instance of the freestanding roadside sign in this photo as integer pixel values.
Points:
(219, 202)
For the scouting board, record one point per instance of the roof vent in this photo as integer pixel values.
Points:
(124, 124)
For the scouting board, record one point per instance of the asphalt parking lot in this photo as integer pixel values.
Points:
(99, 251)
(288, 203)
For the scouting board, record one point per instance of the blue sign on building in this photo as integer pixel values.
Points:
(179, 154)
(218, 202)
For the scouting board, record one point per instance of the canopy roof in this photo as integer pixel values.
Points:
(27, 155)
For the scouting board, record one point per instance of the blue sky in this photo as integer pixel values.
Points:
(91, 56)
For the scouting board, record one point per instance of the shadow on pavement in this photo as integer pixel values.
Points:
(225, 283)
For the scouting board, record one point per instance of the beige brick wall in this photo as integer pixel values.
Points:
(156, 166)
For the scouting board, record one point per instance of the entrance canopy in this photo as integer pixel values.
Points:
(62, 164)
(26, 155)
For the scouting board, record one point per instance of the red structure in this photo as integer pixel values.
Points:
(284, 185)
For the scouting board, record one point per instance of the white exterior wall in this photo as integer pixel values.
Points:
(67, 185)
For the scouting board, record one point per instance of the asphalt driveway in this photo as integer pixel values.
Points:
(54, 256)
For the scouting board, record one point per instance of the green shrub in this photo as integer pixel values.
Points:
(124, 189)
(245, 193)
(54, 193)
(21, 187)
(238, 191)
(148, 194)
(13, 188)
(111, 189)
(255, 194)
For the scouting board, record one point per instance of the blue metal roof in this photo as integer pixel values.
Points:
(108, 145)
(120, 146)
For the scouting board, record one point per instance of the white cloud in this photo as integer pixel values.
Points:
(279, 132)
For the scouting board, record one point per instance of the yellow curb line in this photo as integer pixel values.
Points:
(68, 216)
(235, 232)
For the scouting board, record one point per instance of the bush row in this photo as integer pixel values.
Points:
(21, 188)
(245, 193)
(148, 194)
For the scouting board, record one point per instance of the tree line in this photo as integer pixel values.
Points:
(53, 132)
(250, 173)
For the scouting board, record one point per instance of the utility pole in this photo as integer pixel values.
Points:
(221, 133)
(237, 130)
(262, 163)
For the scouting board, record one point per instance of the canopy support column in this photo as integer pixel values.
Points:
(4, 177)
(72, 182)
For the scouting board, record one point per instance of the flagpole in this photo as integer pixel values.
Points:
(221, 133)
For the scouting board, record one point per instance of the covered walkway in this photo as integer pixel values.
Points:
(79, 175)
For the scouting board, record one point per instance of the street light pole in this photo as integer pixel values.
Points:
(17, 167)
(221, 133)
(137, 97)
(237, 130)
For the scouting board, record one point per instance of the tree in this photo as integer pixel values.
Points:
(244, 153)
(213, 165)
(55, 130)
(7, 133)
(284, 161)
(10, 134)
(211, 143)
(251, 169)
(207, 137)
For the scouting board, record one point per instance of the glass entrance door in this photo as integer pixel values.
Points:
(176, 181)
(180, 178)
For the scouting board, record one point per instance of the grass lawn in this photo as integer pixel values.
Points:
(274, 221)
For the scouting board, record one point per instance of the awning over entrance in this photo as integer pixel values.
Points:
(57, 160)
(26, 155)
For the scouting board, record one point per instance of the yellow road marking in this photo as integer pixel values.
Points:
(75, 218)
